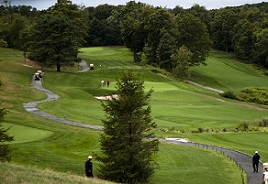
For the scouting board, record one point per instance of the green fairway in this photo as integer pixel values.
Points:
(175, 105)
(23, 134)
(178, 164)
(223, 72)
(177, 108)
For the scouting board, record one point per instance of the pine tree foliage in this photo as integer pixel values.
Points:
(5, 149)
(127, 143)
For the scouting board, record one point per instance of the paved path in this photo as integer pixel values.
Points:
(84, 66)
(241, 159)
(204, 87)
(31, 106)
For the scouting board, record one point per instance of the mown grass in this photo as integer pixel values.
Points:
(225, 73)
(26, 134)
(175, 106)
(189, 168)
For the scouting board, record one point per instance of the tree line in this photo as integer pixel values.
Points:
(171, 39)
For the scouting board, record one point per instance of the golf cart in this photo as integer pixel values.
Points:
(265, 173)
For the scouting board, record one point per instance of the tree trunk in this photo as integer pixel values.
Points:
(58, 67)
(134, 55)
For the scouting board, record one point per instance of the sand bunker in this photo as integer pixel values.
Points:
(177, 139)
(110, 97)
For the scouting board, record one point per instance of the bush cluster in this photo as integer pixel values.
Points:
(242, 127)
(255, 95)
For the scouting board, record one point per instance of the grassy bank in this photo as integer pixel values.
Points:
(14, 174)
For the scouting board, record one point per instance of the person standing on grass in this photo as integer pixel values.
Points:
(89, 167)
(102, 83)
(108, 83)
(255, 161)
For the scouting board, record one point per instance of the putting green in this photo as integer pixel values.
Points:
(23, 134)
(102, 51)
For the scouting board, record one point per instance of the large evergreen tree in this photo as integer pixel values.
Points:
(127, 143)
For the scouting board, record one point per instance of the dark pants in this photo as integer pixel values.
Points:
(255, 166)
(89, 174)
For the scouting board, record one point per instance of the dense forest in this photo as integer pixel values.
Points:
(172, 39)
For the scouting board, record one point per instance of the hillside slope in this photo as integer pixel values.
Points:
(16, 174)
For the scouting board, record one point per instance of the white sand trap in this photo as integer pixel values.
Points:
(107, 97)
(27, 65)
(177, 139)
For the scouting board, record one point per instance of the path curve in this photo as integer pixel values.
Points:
(84, 66)
(32, 106)
(241, 159)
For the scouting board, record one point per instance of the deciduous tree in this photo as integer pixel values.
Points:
(222, 25)
(182, 60)
(58, 35)
(54, 41)
(243, 39)
(194, 35)
(260, 52)
(159, 23)
(132, 27)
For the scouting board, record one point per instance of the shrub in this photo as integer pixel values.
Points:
(244, 126)
(255, 95)
(263, 122)
(229, 94)
(200, 130)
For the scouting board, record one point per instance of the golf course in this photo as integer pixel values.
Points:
(57, 152)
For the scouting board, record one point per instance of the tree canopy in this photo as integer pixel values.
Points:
(57, 35)
(52, 41)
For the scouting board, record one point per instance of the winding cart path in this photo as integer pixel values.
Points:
(241, 159)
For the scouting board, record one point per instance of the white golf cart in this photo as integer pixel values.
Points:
(265, 173)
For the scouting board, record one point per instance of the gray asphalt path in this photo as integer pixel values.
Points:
(204, 87)
(32, 106)
(241, 159)
(84, 66)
